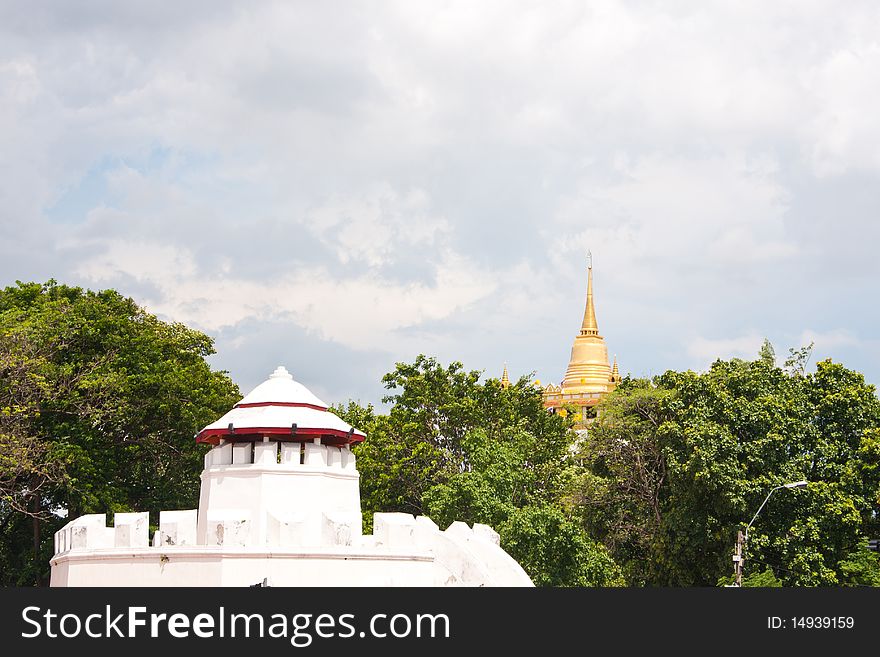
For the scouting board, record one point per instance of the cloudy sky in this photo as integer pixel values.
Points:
(338, 186)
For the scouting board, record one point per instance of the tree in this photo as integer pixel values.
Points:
(860, 568)
(99, 402)
(767, 354)
(677, 464)
(619, 494)
(759, 578)
(555, 551)
(454, 448)
(797, 360)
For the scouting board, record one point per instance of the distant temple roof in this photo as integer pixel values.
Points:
(282, 408)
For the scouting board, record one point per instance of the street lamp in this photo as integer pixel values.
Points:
(739, 554)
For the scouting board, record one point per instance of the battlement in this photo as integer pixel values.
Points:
(281, 453)
(392, 533)
(90, 532)
(403, 550)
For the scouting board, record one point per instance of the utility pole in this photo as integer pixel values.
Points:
(738, 559)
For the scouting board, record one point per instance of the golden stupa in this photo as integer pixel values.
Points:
(589, 377)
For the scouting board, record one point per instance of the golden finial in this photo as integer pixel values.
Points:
(505, 381)
(615, 373)
(589, 326)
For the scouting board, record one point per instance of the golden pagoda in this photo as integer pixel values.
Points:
(589, 376)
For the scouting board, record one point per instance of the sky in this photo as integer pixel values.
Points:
(340, 186)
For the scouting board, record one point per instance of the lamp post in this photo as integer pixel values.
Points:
(739, 554)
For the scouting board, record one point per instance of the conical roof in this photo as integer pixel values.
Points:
(589, 326)
(284, 409)
(588, 369)
(280, 387)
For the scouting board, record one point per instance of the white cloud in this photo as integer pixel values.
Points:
(361, 312)
(842, 132)
(440, 173)
(373, 227)
(710, 214)
(704, 351)
(827, 340)
(161, 264)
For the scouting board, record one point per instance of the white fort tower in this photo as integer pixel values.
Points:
(279, 505)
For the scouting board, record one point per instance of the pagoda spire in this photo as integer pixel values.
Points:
(505, 380)
(589, 326)
(588, 369)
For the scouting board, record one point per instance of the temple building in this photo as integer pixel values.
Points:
(279, 506)
(589, 376)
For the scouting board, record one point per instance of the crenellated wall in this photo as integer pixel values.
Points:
(91, 531)
(402, 551)
(285, 512)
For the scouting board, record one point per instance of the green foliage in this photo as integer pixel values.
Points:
(767, 354)
(453, 448)
(860, 568)
(797, 360)
(759, 578)
(762, 578)
(99, 402)
(677, 464)
(555, 551)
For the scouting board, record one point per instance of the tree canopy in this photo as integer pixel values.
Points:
(675, 465)
(655, 490)
(99, 402)
(453, 448)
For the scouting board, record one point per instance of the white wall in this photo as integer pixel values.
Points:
(286, 513)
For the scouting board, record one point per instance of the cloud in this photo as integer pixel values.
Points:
(846, 94)
(359, 312)
(377, 226)
(164, 265)
(828, 340)
(699, 212)
(389, 179)
(704, 351)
